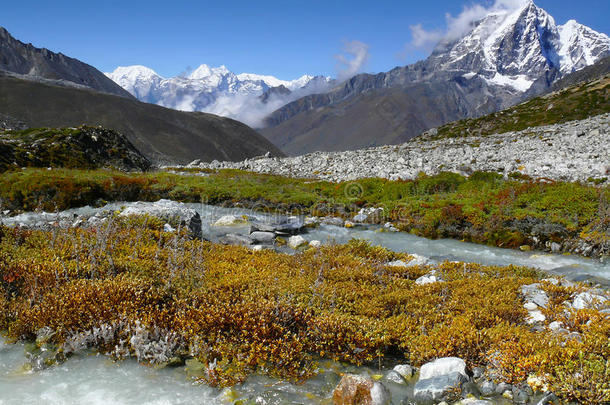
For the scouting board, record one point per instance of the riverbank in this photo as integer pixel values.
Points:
(128, 288)
(484, 208)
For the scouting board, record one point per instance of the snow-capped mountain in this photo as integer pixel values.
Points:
(211, 89)
(515, 47)
(492, 56)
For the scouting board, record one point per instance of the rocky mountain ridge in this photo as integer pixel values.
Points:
(37, 64)
(487, 69)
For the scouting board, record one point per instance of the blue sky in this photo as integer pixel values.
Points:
(282, 38)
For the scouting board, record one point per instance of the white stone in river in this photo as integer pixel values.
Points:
(296, 241)
(443, 366)
(229, 220)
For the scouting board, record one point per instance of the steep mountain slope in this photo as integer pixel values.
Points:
(83, 148)
(215, 90)
(487, 69)
(34, 64)
(162, 134)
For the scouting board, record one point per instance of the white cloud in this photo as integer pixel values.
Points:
(456, 27)
(352, 63)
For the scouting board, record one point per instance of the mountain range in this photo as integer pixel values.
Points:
(505, 57)
(246, 97)
(41, 88)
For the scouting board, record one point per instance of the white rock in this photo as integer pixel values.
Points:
(229, 220)
(443, 366)
(168, 228)
(587, 300)
(315, 243)
(427, 279)
(535, 316)
(530, 306)
(296, 241)
(404, 370)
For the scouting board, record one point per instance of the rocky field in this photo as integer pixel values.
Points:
(574, 151)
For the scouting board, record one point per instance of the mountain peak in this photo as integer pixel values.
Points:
(514, 47)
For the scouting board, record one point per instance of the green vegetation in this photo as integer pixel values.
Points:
(234, 312)
(82, 147)
(484, 208)
(574, 103)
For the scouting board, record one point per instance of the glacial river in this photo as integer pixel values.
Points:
(95, 379)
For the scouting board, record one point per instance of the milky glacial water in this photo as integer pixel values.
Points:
(571, 266)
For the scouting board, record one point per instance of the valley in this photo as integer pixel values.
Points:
(438, 233)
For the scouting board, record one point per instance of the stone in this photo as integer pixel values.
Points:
(288, 226)
(503, 387)
(335, 221)
(437, 387)
(315, 243)
(520, 396)
(535, 317)
(587, 300)
(296, 241)
(394, 377)
(548, 399)
(397, 263)
(530, 306)
(488, 388)
(168, 228)
(360, 390)
(171, 211)
(229, 220)
(405, 370)
(427, 279)
(533, 293)
(266, 238)
(235, 239)
(555, 247)
(418, 260)
(443, 366)
(478, 372)
(473, 401)
(555, 326)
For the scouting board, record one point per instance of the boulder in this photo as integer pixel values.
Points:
(171, 211)
(587, 300)
(289, 226)
(335, 221)
(436, 388)
(265, 238)
(360, 390)
(533, 293)
(427, 279)
(315, 243)
(443, 366)
(405, 370)
(229, 220)
(438, 378)
(235, 239)
(296, 241)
